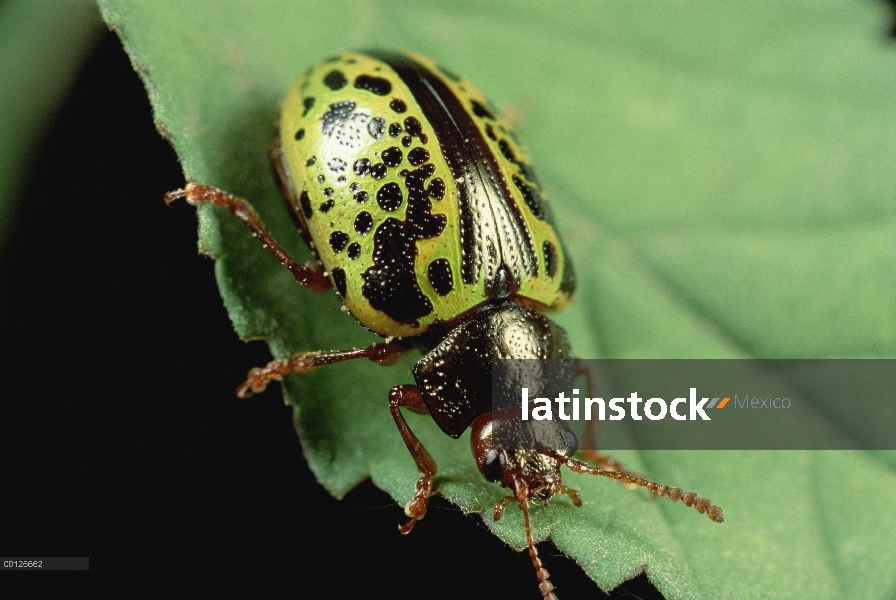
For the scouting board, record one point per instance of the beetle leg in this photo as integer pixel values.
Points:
(703, 505)
(499, 507)
(574, 495)
(309, 275)
(409, 396)
(302, 362)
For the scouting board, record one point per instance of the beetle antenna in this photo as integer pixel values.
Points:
(544, 583)
(703, 505)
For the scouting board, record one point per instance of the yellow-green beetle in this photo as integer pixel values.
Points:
(418, 200)
(429, 221)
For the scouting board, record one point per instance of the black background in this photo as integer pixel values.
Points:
(120, 436)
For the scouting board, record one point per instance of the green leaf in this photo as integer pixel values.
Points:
(42, 45)
(723, 176)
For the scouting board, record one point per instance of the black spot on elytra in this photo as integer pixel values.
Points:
(309, 104)
(338, 240)
(338, 276)
(418, 156)
(377, 85)
(390, 284)
(321, 179)
(328, 192)
(395, 129)
(361, 167)
(354, 187)
(531, 196)
(326, 206)
(335, 80)
(550, 258)
(440, 277)
(354, 250)
(481, 111)
(506, 150)
(306, 204)
(347, 125)
(376, 128)
(412, 126)
(406, 141)
(490, 132)
(391, 156)
(300, 134)
(361, 197)
(389, 197)
(398, 105)
(337, 165)
(378, 171)
(436, 188)
(310, 161)
(363, 223)
(341, 179)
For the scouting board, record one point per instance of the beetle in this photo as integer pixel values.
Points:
(426, 216)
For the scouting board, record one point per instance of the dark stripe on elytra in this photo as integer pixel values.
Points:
(439, 273)
(466, 152)
(550, 258)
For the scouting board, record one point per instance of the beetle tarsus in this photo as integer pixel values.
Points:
(416, 508)
(574, 495)
(309, 275)
(302, 362)
(409, 396)
(174, 195)
(258, 378)
(500, 506)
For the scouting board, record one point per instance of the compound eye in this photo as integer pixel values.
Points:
(492, 465)
(489, 459)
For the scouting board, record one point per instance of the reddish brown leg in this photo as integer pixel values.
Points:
(311, 276)
(702, 505)
(574, 495)
(498, 511)
(302, 362)
(409, 396)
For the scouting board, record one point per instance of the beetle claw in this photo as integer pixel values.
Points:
(416, 507)
(407, 527)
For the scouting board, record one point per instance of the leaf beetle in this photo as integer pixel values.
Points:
(427, 218)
